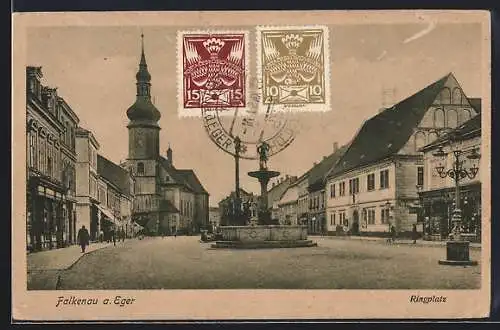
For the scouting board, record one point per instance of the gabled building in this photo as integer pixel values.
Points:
(278, 187)
(375, 183)
(437, 195)
(287, 206)
(116, 194)
(316, 179)
(166, 200)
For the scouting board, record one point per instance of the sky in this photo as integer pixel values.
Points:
(94, 70)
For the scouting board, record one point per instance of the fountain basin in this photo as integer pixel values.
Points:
(263, 237)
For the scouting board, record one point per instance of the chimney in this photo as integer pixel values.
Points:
(335, 146)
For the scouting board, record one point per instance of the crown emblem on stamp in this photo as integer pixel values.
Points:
(213, 70)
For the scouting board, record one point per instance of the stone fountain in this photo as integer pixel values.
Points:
(266, 234)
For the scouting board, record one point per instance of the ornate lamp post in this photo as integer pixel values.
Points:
(457, 249)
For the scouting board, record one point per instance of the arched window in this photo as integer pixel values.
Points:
(432, 137)
(445, 96)
(467, 114)
(439, 118)
(419, 140)
(452, 117)
(140, 168)
(457, 96)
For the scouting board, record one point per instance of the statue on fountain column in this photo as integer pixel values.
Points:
(263, 150)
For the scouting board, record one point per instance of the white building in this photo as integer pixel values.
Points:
(87, 210)
(287, 206)
(376, 181)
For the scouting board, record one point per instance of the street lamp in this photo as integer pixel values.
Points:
(457, 249)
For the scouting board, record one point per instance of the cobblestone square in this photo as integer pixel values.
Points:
(185, 263)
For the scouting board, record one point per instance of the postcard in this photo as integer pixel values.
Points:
(256, 165)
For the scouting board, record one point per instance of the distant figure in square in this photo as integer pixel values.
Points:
(113, 236)
(393, 233)
(83, 238)
(414, 234)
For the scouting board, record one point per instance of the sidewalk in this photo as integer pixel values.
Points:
(44, 267)
(420, 242)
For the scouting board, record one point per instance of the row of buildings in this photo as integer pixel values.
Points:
(70, 184)
(385, 176)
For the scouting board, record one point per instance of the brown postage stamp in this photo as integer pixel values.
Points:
(288, 165)
(293, 63)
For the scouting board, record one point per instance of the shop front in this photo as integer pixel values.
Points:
(437, 208)
(48, 225)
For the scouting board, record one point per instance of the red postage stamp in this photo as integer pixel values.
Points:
(213, 69)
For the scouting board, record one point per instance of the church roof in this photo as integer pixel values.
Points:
(387, 132)
(115, 174)
(184, 177)
(143, 109)
(192, 180)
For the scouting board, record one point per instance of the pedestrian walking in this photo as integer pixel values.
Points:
(113, 236)
(393, 233)
(414, 234)
(83, 238)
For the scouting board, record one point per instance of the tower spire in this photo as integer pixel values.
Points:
(143, 77)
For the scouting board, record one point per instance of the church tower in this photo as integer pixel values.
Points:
(144, 131)
(144, 146)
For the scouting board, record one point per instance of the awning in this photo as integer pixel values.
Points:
(107, 213)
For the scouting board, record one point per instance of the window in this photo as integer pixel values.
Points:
(384, 179)
(439, 118)
(452, 119)
(32, 151)
(467, 114)
(353, 186)
(49, 166)
(370, 181)
(457, 96)
(332, 190)
(432, 137)
(384, 215)
(342, 188)
(140, 168)
(371, 216)
(420, 175)
(419, 140)
(445, 96)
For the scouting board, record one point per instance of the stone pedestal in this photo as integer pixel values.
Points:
(457, 253)
(263, 237)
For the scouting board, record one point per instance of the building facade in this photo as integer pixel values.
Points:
(116, 194)
(278, 187)
(89, 193)
(375, 184)
(51, 156)
(249, 207)
(167, 200)
(287, 206)
(438, 194)
(214, 218)
(316, 178)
